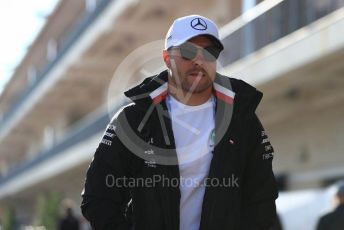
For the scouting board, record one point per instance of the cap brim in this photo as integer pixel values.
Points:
(213, 39)
(216, 41)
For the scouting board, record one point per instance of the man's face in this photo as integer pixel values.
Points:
(192, 75)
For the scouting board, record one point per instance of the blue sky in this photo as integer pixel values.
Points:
(20, 22)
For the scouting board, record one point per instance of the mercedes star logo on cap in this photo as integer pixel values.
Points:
(198, 24)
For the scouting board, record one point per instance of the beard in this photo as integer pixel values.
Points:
(193, 81)
(196, 86)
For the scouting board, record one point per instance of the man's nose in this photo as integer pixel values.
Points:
(199, 59)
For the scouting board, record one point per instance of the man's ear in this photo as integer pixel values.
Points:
(166, 57)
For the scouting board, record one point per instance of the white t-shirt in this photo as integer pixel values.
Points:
(193, 129)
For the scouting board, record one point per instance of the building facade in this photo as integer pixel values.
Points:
(63, 93)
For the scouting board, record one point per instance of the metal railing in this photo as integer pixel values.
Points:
(283, 18)
(80, 133)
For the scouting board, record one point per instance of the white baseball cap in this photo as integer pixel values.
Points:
(185, 28)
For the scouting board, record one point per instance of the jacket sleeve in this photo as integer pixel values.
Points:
(260, 187)
(105, 199)
(321, 225)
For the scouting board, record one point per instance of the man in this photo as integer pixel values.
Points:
(189, 152)
(69, 221)
(335, 219)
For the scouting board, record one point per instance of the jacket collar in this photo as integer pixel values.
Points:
(154, 90)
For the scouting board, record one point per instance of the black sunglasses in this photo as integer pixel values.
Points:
(189, 51)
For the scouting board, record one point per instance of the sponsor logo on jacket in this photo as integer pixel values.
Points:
(268, 149)
(109, 135)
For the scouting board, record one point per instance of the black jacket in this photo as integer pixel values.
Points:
(139, 144)
(333, 220)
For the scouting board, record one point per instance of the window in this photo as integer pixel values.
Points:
(52, 50)
(48, 137)
(248, 4)
(91, 5)
(31, 75)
